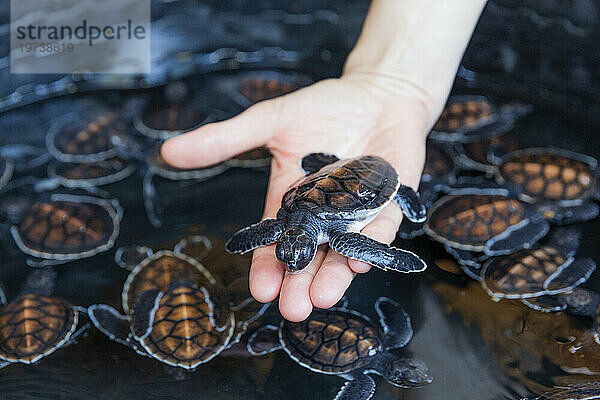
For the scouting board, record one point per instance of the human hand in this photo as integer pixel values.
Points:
(358, 114)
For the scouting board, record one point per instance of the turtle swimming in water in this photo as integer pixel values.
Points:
(542, 175)
(472, 118)
(544, 269)
(89, 137)
(331, 205)
(60, 227)
(175, 310)
(476, 223)
(157, 166)
(35, 323)
(348, 344)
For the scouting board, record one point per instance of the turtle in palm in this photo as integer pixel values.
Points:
(331, 205)
(348, 344)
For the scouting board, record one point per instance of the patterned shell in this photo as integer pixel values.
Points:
(344, 188)
(33, 326)
(85, 137)
(469, 221)
(189, 329)
(158, 271)
(62, 228)
(465, 113)
(332, 342)
(539, 176)
(172, 117)
(438, 163)
(258, 89)
(578, 391)
(524, 273)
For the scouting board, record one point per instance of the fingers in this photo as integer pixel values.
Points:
(331, 281)
(294, 300)
(213, 143)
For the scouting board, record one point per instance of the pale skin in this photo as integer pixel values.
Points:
(393, 88)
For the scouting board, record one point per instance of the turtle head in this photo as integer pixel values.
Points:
(407, 373)
(296, 247)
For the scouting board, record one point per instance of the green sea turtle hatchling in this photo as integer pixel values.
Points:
(539, 175)
(331, 205)
(348, 344)
(60, 227)
(88, 137)
(189, 317)
(544, 269)
(35, 324)
(472, 118)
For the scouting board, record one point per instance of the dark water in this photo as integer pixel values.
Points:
(475, 348)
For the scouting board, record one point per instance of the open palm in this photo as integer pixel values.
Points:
(347, 117)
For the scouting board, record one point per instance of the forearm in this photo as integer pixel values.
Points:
(413, 48)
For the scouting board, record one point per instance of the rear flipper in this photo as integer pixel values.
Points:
(361, 387)
(261, 234)
(315, 161)
(411, 206)
(395, 323)
(265, 340)
(519, 236)
(362, 248)
(572, 214)
(570, 276)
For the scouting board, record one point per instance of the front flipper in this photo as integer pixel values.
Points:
(411, 206)
(265, 340)
(362, 248)
(570, 276)
(572, 214)
(110, 322)
(264, 233)
(362, 387)
(315, 161)
(410, 230)
(143, 313)
(395, 323)
(518, 236)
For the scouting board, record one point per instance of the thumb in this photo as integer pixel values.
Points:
(219, 141)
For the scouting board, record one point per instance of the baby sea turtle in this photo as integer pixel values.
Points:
(439, 171)
(62, 227)
(472, 118)
(88, 137)
(348, 344)
(485, 155)
(490, 221)
(546, 269)
(181, 326)
(173, 294)
(331, 205)
(157, 166)
(79, 175)
(550, 175)
(35, 324)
